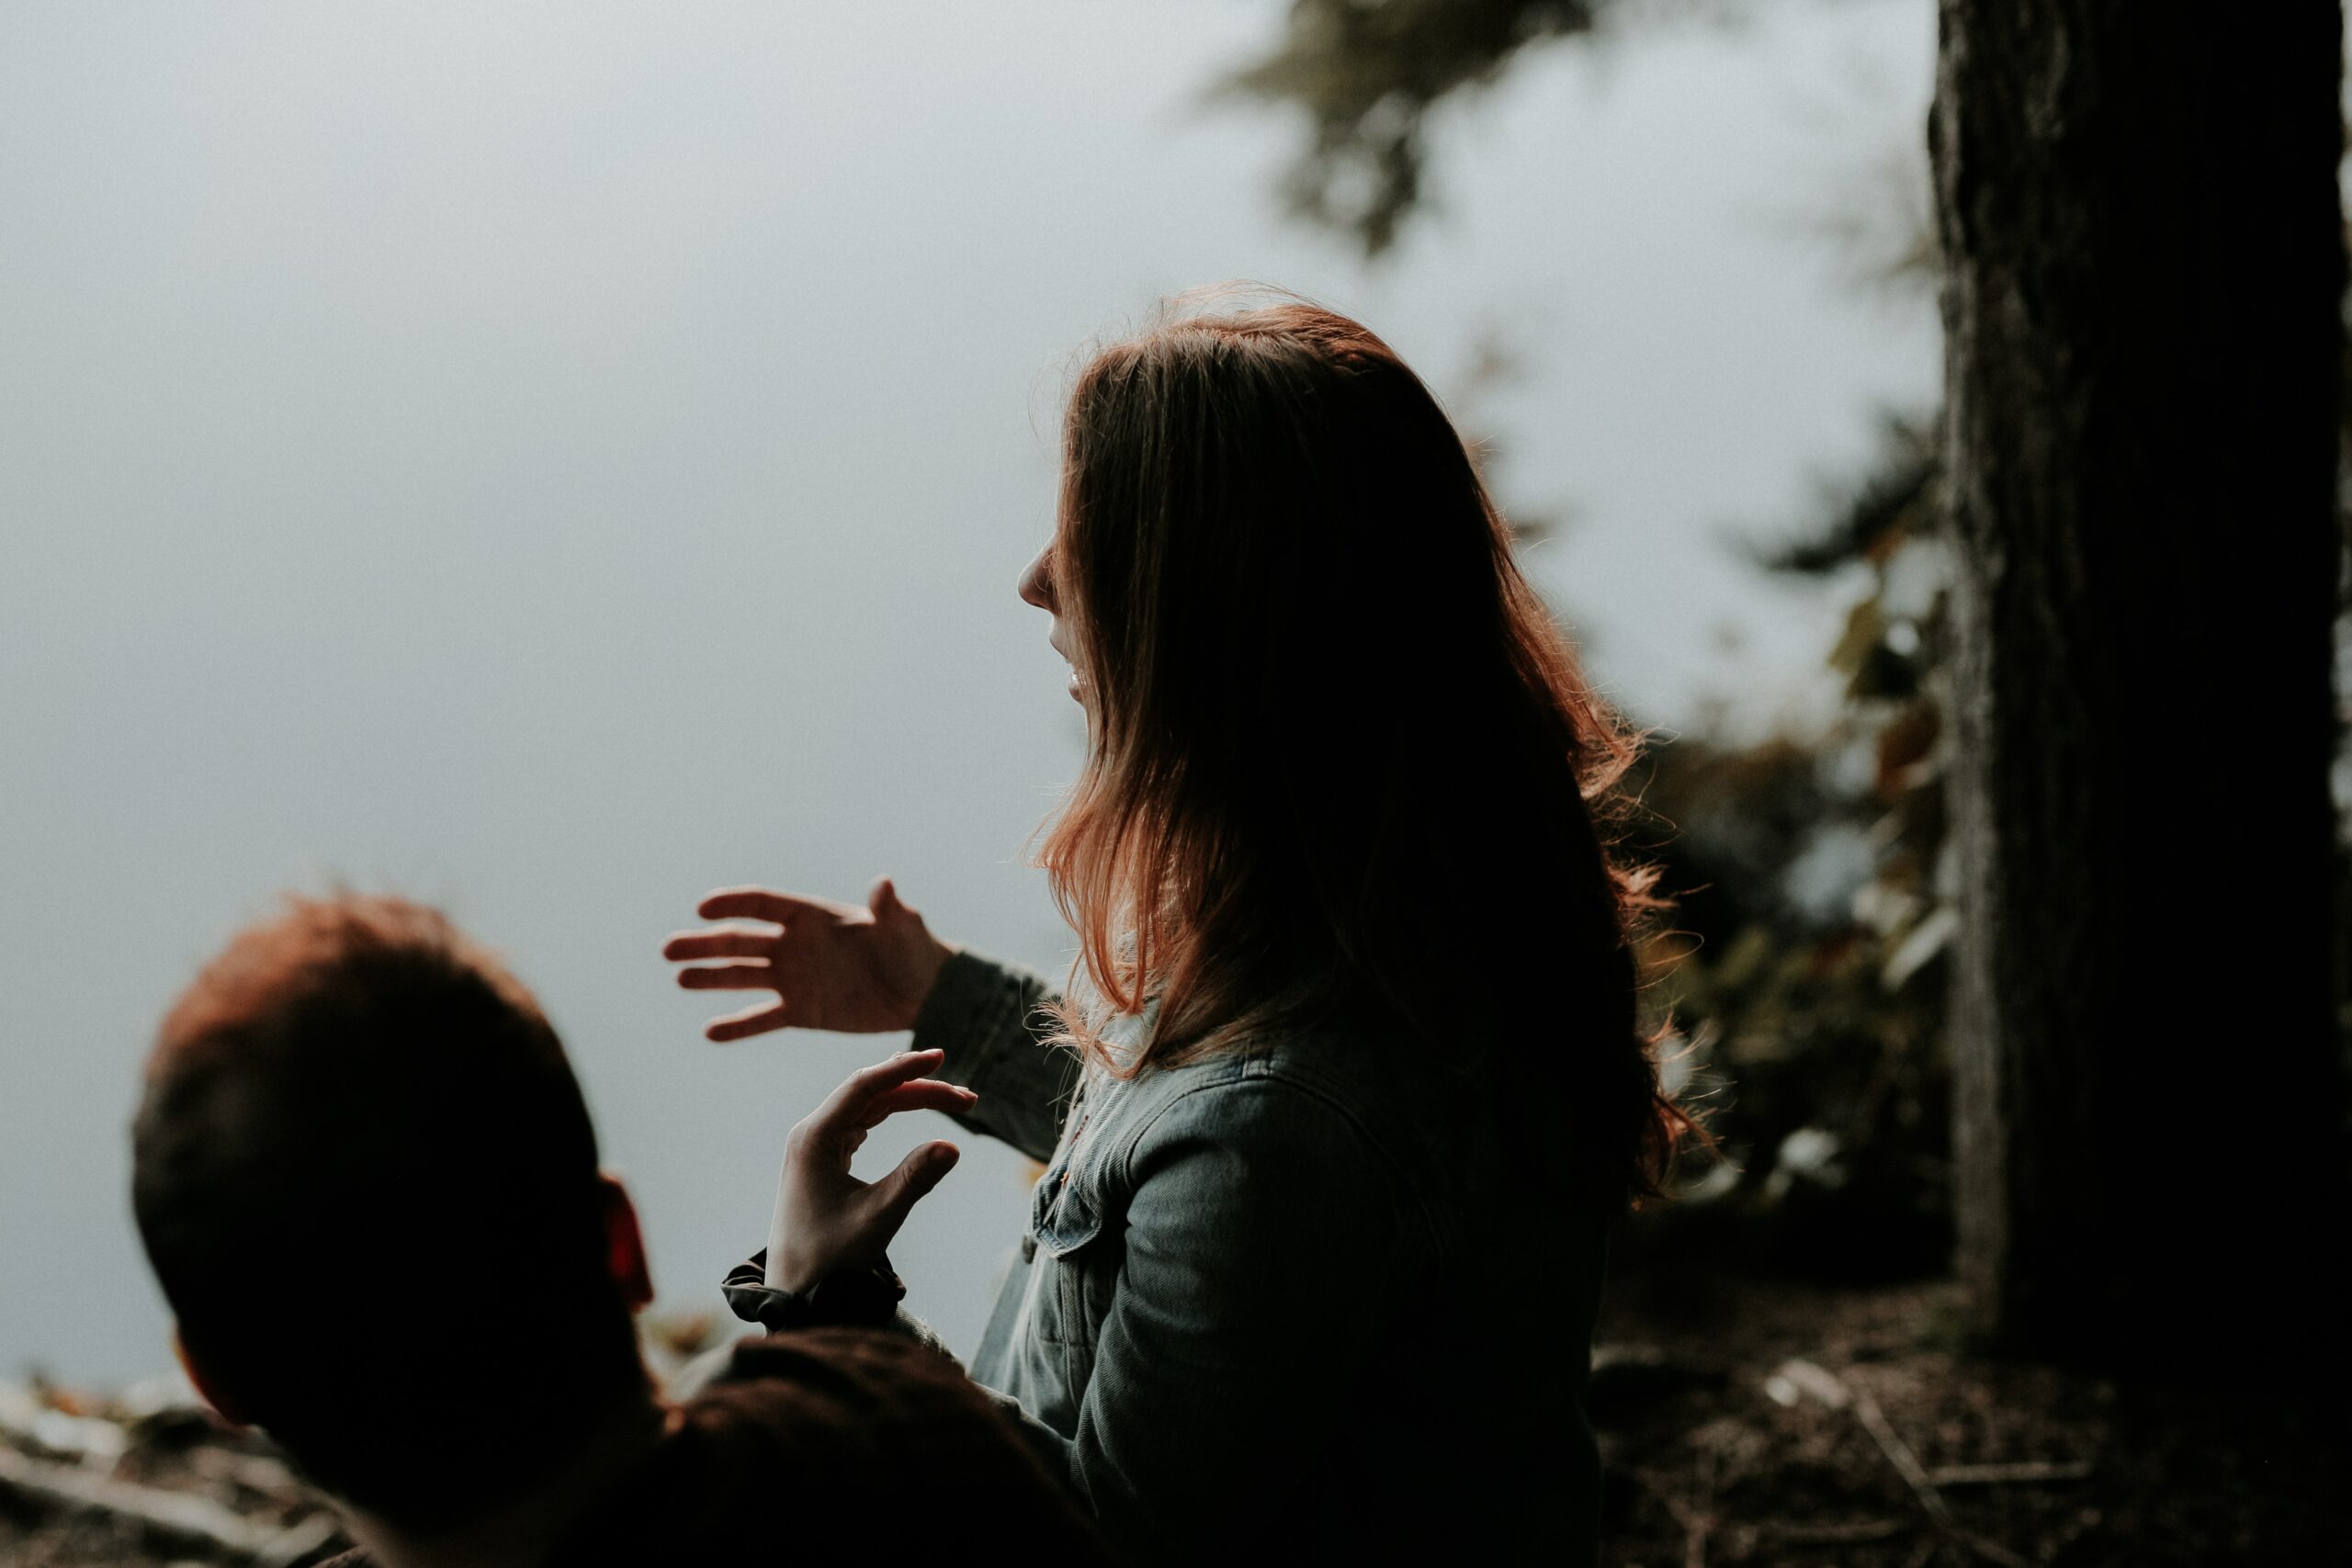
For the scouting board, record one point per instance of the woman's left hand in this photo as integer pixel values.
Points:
(826, 1221)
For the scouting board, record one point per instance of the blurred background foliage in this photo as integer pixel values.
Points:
(1366, 77)
(1802, 964)
(1802, 971)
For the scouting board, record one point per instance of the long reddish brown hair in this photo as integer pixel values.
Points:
(1341, 764)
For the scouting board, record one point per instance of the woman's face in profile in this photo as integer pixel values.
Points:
(1037, 588)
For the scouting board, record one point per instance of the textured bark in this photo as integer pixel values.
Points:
(2144, 251)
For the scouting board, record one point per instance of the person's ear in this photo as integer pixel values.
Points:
(625, 1244)
(206, 1384)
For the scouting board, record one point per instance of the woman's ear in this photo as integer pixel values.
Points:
(625, 1244)
(222, 1403)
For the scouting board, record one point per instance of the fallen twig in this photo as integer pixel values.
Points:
(1898, 1454)
(1695, 1526)
(252, 1471)
(1859, 1531)
(28, 1421)
(181, 1518)
(1907, 1464)
(1808, 1377)
(2026, 1472)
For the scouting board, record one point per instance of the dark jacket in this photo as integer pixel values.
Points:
(832, 1445)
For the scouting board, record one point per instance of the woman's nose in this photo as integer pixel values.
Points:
(1037, 586)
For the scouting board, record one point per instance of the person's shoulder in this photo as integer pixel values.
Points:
(1350, 1088)
(802, 1386)
(1356, 1101)
(809, 1438)
(1372, 1076)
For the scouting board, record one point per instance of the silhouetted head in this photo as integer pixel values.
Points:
(1340, 759)
(368, 1183)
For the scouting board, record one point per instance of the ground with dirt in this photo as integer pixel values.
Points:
(1742, 1420)
(1754, 1421)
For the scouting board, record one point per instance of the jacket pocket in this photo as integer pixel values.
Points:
(1065, 1225)
(1063, 1216)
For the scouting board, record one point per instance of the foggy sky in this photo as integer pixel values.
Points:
(554, 460)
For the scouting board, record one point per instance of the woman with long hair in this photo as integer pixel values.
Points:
(1348, 1087)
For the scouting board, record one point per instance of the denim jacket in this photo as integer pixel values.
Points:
(1285, 1301)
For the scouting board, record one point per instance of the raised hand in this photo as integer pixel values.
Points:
(826, 1220)
(860, 971)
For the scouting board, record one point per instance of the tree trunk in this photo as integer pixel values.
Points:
(2143, 246)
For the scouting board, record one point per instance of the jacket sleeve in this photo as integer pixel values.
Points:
(753, 1299)
(1266, 1238)
(985, 1015)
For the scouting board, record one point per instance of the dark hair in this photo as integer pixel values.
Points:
(1339, 759)
(367, 1183)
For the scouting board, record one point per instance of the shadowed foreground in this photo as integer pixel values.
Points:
(1749, 1421)
(1743, 1421)
(143, 1476)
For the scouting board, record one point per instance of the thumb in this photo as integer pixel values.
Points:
(896, 1194)
(884, 900)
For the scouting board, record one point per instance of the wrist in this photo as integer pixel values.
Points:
(783, 1276)
(922, 975)
(867, 1296)
(788, 1268)
(786, 1265)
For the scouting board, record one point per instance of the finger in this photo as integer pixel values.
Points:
(923, 1094)
(891, 1198)
(751, 1020)
(758, 904)
(731, 943)
(846, 1104)
(729, 977)
(884, 901)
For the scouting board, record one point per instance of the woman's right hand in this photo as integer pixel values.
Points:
(831, 965)
(826, 1221)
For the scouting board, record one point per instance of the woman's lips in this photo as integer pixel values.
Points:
(1075, 684)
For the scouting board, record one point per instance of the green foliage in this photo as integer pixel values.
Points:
(1366, 72)
(1882, 507)
(1804, 972)
(1803, 969)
